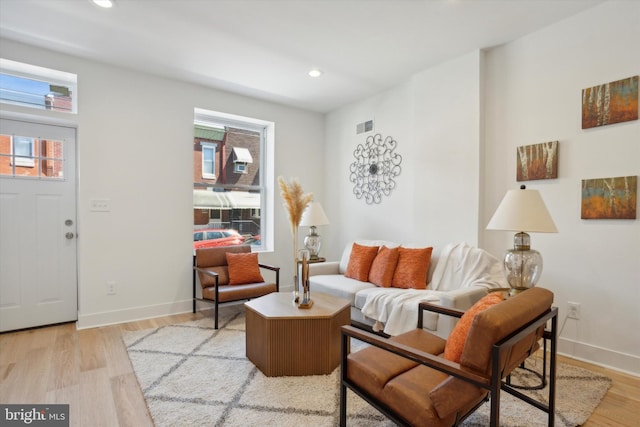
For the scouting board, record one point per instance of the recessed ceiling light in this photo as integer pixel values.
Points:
(104, 3)
(315, 73)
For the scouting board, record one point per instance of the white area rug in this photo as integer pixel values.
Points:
(193, 375)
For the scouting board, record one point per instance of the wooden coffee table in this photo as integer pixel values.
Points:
(282, 339)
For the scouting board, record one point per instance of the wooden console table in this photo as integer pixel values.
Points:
(282, 339)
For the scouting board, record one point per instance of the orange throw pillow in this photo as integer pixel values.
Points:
(384, 264)
(243, 268)
(455, 343)
(360, 262)
(411, 270)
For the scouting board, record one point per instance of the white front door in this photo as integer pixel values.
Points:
(38, 272)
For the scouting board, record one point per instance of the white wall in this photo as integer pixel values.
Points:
(533, 94)
(434, 119)
(135, 135)
(458, 126)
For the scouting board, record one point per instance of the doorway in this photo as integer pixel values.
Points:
(38, 247)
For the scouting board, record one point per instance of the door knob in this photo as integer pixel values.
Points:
(69, 235)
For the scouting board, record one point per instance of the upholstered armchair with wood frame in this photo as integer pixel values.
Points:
(230, 273)
(409, 380)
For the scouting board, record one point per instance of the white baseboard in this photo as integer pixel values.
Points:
(133, 314)
(610, 359)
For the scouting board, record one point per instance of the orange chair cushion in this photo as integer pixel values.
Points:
(383, 266)
(411, 270)
(458, 337)
(360, 261)
(243, 268)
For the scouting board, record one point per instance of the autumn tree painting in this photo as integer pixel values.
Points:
(609, 198)
(538, 161)
(610, 103)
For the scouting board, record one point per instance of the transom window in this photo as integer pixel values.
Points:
(37, 87)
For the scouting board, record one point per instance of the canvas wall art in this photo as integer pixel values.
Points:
(609, 198)
(610, 103)
(537, 161)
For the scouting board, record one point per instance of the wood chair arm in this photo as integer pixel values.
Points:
(430, 360)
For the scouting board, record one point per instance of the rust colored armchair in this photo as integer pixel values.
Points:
(407, 378)
(212, 270)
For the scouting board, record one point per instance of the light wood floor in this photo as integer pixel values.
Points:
(90, 370)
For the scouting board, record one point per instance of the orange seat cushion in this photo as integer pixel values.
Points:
(383, 266)
(411, 270)
(243, 268)
(458, 337)
(360, 261)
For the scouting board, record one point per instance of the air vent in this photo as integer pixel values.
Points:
(364, 127)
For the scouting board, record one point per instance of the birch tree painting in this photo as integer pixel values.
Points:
(610, 103)
(609, 198)
(538, 161)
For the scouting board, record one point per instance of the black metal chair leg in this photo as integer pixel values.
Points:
(216, 316)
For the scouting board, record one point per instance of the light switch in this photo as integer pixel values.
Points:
(100, 205)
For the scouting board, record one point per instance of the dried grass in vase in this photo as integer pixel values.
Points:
(295, 202)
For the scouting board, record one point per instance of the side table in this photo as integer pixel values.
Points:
(546, 336)
(282, 339)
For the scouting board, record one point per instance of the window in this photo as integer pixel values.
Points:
(37, 87)
(208, 160)
(23, 151)
(29, 157)
(240, 152)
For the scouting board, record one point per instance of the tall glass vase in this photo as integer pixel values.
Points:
(296, 284)
(305, 297)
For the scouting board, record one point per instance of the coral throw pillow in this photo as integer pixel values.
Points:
(411, 270)
(384, 264)
(360, 262)
(243, 268)
(457, 338)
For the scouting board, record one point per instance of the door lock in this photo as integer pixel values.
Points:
(69, 235)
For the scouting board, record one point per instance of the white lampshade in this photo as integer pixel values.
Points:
(522, 210)
(313, 215)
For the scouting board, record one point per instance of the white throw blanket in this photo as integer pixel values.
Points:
(459, 266)
(396, 308)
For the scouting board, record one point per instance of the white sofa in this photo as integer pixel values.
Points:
(458, 276)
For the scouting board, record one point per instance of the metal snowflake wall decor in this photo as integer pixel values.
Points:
(375, 168)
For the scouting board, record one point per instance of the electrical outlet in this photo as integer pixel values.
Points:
(573, 310)
(111, 288)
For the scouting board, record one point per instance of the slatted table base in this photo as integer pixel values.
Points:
(283, 340)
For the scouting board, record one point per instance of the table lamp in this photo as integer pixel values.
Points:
(313, 216)
(522, 211)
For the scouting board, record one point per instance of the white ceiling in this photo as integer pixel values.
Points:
(264, 48)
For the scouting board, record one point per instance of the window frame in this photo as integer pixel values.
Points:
(46, 75)
(213, 147)
(266, 165)
(20, 160)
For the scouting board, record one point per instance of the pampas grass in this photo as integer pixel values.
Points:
(295, 201)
